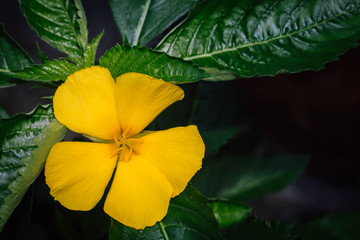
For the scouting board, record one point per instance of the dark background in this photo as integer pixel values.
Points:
(309, 112)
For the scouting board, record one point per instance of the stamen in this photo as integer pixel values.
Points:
(126, 147)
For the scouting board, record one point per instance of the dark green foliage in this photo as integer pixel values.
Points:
(140, 21)
(189, 217)
(344, 226)
(256, 38)
(60, 23)
(12, 57)
(255, 228)
(54, 70)
(248, 176)
(123, 59)
(25, 141)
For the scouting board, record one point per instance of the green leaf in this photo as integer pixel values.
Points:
(248, 176)
(123, 59)
(343, 226)
(189, 217)
(90, 52)
(12, 57)
(41, 54)
(228, 213)
(25, 141)
(256, 38)
(82, 38)
(215, 139)
(260, 229)
(140, 21)
(49, 71)
(60, 23)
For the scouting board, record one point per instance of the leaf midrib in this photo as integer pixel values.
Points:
(69, 19)
(142, 21)
(267, 40)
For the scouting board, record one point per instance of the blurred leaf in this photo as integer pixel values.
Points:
(215, 139)
(248, 176)
(189, 217)
(228, 213)
(140, 21)
(25, 141)
(123, 59)
(49, 71)
(256, 38)
(60, 23)
(3, 113)
(260, 229)
(344, 226)
(12, 57)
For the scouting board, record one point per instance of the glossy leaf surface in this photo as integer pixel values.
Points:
(60, 23)
(256, 38)
(25, 141)
(189, 217)
(12, 57)
(49, 71)
(140, 21)
(123, 59)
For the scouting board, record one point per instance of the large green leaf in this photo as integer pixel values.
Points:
(12, 57)
(123, 59)
(260, 229)
(344, 226)
(61, 23)
(189, 217)
(140, 21)
(25, 141)
(255, 38)
(228, 213)
(248, 176)
(49, 71)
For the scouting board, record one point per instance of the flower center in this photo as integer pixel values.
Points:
(125, 147)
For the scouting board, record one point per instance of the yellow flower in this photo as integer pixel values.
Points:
(151, 167)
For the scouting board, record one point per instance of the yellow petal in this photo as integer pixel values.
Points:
(140, 98)
(176, 152)
(85, 103)
(139, 195)
(77, 173)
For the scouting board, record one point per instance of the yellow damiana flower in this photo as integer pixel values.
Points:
(151, 167)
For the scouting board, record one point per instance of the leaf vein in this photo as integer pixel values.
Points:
(252, 44)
